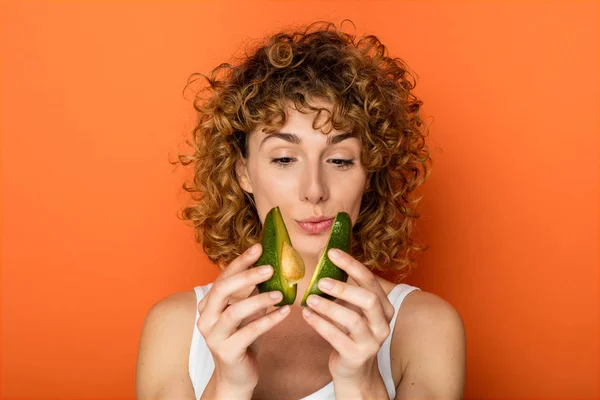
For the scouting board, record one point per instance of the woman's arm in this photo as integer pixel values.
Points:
(162, 371)
(434, 335)
(216, 391)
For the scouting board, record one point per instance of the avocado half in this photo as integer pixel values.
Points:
(339, 238)
(288, 267)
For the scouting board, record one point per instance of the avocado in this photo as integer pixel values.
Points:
(278, 252)
(288, 267)
(339, 238)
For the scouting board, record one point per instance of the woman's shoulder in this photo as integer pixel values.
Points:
(429, 328)
(422, 305)
(179, 302)
(174, 312)
(421, 310)
(164, 347)
(185, 301)
(419, 304)
(174, 315)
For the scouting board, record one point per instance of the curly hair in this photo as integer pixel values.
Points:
(369, 94)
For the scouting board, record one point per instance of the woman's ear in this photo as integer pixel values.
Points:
(241, 172)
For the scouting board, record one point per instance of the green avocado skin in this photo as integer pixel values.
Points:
(274, 233)
(339, 238)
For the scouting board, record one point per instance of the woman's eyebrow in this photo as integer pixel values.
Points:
(295, 139)
(338, 138)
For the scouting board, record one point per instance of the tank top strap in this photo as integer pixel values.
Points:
(201, 291)
(396, 297)
(200, 362)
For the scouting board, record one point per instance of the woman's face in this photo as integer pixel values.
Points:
(307, 174)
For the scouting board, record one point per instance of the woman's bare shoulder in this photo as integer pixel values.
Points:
(178, 308)
(429, 328)
(421, 305)
(164, 347)
(184, 300)
(172, 318)
(423, 312)
(171, 321)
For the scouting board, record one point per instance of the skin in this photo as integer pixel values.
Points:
(310, 178)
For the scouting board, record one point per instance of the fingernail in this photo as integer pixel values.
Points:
(326, 283)
(253, 250)
(306, 312)
(313, 300)
(334, 254)
(275, 295)
(265, 269)
(285, 309)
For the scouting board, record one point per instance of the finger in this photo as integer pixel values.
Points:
(368, 302)
(355, 323)
(244, 337)
(340, 341)
(222, 290)
(363, 277)
(254, 316)
(232, 299)
(233, 315)
(240, 263)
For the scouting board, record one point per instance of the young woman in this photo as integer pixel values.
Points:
(314, 122)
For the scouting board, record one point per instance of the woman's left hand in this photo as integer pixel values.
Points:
(354, 358)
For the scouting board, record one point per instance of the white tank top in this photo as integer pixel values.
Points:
(201, 364)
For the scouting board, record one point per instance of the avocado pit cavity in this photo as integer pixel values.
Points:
(292, 265)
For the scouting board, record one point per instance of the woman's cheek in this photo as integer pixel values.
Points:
(274, 190)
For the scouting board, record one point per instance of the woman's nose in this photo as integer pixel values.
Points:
(314, 187)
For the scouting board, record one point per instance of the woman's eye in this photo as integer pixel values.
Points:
(287, 161)
(342, 164)
(283, 161)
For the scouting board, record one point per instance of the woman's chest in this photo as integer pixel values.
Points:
(293, 363)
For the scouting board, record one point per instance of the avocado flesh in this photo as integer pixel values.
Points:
(339, 238)
(292, 264)
(278, 252)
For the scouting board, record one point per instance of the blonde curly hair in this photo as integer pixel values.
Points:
(369, 93)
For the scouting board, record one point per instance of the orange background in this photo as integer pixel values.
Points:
(92, 110)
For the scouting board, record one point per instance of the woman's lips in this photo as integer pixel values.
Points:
(314, 228)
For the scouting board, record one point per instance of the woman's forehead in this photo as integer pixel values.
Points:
(299, 121)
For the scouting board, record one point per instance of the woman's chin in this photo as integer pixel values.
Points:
(312, 251)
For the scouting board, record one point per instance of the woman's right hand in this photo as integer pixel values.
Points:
(232, 320)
